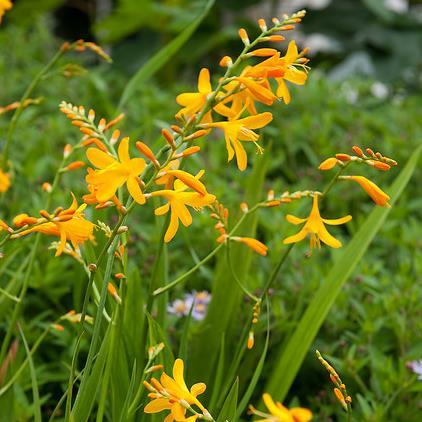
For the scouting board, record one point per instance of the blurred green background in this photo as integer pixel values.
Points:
(364, 88)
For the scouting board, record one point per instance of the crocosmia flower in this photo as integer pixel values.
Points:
(315, 227)
(113, 173)
(173, 394)
(280, 413)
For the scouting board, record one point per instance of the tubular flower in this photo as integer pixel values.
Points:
(69, 225)
(280, 413)
(114, 173)
(178, 200)
(4, 6)
(173, 394)
(4, 181)
(193, 102)
(237, 130)
(377, 194)
(315, 227)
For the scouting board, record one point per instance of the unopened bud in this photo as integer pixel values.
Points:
(226, 61)
(251, 340)
(74, 165)
(262, 24)
(154, 368)
(122, 229)
(244, 36)
(357, 151)
(343, 157)
(115, 137)
(244, 207)
(188, 151)
(113, 292)
(46, 187)
(92, 268)
(67, 150)
(119, 276)
(168, 137)
(146, 151)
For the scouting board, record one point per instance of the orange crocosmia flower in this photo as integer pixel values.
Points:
(193, 102)
(280, 413)
(113, 173)
(315, 227)
(376, 193)
(4, 181)
(173, 394)
(4, 6)
(178, 200)
(69, 225)
(291, 73)
(237, 130)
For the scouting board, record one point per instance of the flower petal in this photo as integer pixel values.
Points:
(337, 221)
(157, 405)
(99, 158)
(135, 190)
(123, 150)
(204, 85)
(296, 237)
(295, 220)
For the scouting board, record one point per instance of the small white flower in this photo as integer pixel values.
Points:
(416, 367)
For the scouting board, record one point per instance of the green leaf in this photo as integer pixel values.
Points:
(218, 380)
(35, 391)
(228, 411)
(289, 358)
(161, 58)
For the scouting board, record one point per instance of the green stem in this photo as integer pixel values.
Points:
(236, 278)
(207, 258)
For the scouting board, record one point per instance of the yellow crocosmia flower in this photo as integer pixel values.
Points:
(315, 227)
(376, 193)
(237, 130)
(173, 394)
(193, 102)
(113, 173)
(4, 6)
(280, 413)
(4, 181)
(291, 73)
(69, 225)
(178, 200)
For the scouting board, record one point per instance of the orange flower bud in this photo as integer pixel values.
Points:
(188, 151)
(357, 151)
(378, 165)
(67, 150)
(251, 340)
(328, 164)
(176, 129)
(340, 397)
(87, 131)
(343, 157)
(197, 134)
(75, 165)
(263, 52)
(370, 152)
(114, 122)
(226, 61)
(244, 207)
(57, 327)
(46, 187)
(113, 292)
(252, 243)
(188, 180)
(119, 276)
(244, 36)
(168, 137)
(146, 151)
(287, 27)
(274, 203)
(275, 38)
(262, 24)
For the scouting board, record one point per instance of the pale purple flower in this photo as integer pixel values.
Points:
(182, 307)
(416, 367)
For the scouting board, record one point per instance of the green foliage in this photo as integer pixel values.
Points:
(369, 326)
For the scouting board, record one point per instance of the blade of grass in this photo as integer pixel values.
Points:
(290, 358)
(35, 391)
(228, 410)
(162, 57)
